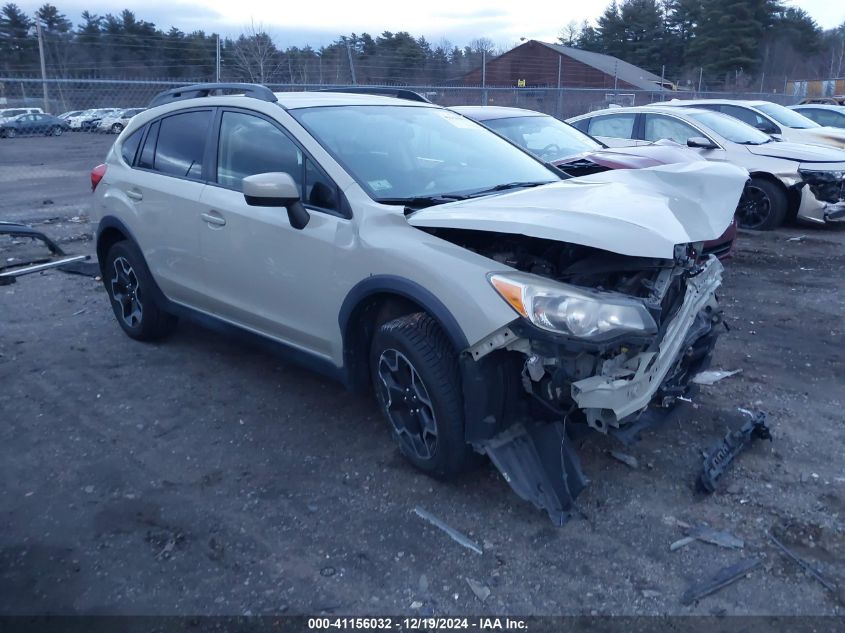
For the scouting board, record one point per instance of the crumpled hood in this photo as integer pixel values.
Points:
(642, 213)
(800, 152)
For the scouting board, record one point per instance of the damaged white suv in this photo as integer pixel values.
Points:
(397, 245)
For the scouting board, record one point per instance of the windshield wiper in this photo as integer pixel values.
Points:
(510, 185)
(419, 202)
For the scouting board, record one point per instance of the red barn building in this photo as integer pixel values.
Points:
(537, 64)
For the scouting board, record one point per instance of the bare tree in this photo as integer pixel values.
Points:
(254, 54)
(569, 34)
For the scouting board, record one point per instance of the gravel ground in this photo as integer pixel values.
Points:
(202, 476)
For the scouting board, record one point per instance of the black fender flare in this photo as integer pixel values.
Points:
(403, 287)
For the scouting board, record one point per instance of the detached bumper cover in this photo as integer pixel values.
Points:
(628, 389)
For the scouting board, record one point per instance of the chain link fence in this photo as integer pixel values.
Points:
(65, 95)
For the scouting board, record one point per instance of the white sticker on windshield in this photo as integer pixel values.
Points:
(379, 185)
(455, 119)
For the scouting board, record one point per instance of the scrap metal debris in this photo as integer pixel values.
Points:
(718, 458)
(713, 376)
(808, 569)
(481, 591)
(707, 534)
(717, 537)
(628, 460)
(456, 536)
(721, 579)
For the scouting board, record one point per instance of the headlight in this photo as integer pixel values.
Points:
(570, 310)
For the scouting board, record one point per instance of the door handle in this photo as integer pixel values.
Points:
(134, 194)
(213, 218)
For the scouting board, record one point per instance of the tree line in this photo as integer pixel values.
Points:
(123, 45)
(728, 44)
(731, 44)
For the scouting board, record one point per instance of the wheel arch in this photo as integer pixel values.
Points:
(110, 231)
(793, 194)
(378, 299)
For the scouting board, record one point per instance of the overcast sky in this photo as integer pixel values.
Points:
(298, 23)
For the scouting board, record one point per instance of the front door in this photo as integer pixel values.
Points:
(260, 271)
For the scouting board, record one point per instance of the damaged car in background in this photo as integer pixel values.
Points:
(787, 180)
(578, 154)
(491, 303)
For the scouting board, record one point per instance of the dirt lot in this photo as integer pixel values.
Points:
(201, 476)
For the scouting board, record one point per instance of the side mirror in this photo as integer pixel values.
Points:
(276, 189)
(701, 143)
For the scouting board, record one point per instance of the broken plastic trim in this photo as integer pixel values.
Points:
(59, 258)
(722, 454)
(539, 463)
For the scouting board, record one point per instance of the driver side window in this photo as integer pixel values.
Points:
(658, 127)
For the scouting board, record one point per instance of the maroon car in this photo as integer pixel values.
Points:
(578, 154)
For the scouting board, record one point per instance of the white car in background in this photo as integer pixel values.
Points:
(114, 123)
(787, 179)
(8, 114)
(75, 121)
(825, 114)
(771, 118)
(67, 115)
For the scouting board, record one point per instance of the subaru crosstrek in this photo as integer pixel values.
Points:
(490, 302)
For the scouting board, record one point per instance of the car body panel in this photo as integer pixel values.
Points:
(829, 136)
(626, 211)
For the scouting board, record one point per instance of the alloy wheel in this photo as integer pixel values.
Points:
(754, 207)
(124, 290)
(408, 404)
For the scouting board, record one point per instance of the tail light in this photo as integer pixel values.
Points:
(97, 175)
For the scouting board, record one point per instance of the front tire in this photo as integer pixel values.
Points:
(417, 383)
(58, 130)
(117, 128)
(762, 207)
(130, 287)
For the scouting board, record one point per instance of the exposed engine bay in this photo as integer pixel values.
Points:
(563, 380)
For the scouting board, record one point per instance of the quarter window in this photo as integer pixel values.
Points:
(181, 144)
(659, 127)
(613, 126)
(130, 146)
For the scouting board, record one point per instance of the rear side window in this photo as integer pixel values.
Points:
(130, 146)
(181, 144)
(613, 126)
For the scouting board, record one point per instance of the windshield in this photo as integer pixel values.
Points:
(404, 152)
(787, 117)
(544, 136)
(730, 128)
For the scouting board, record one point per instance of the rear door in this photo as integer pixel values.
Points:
(260, 270)
(163, 191)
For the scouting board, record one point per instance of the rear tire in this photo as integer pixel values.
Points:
(11, 133)
(417, 383)
(131, 291)
(117, 128)
(763, 205)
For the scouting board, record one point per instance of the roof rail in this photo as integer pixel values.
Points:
(256, 91)
(399, 93)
